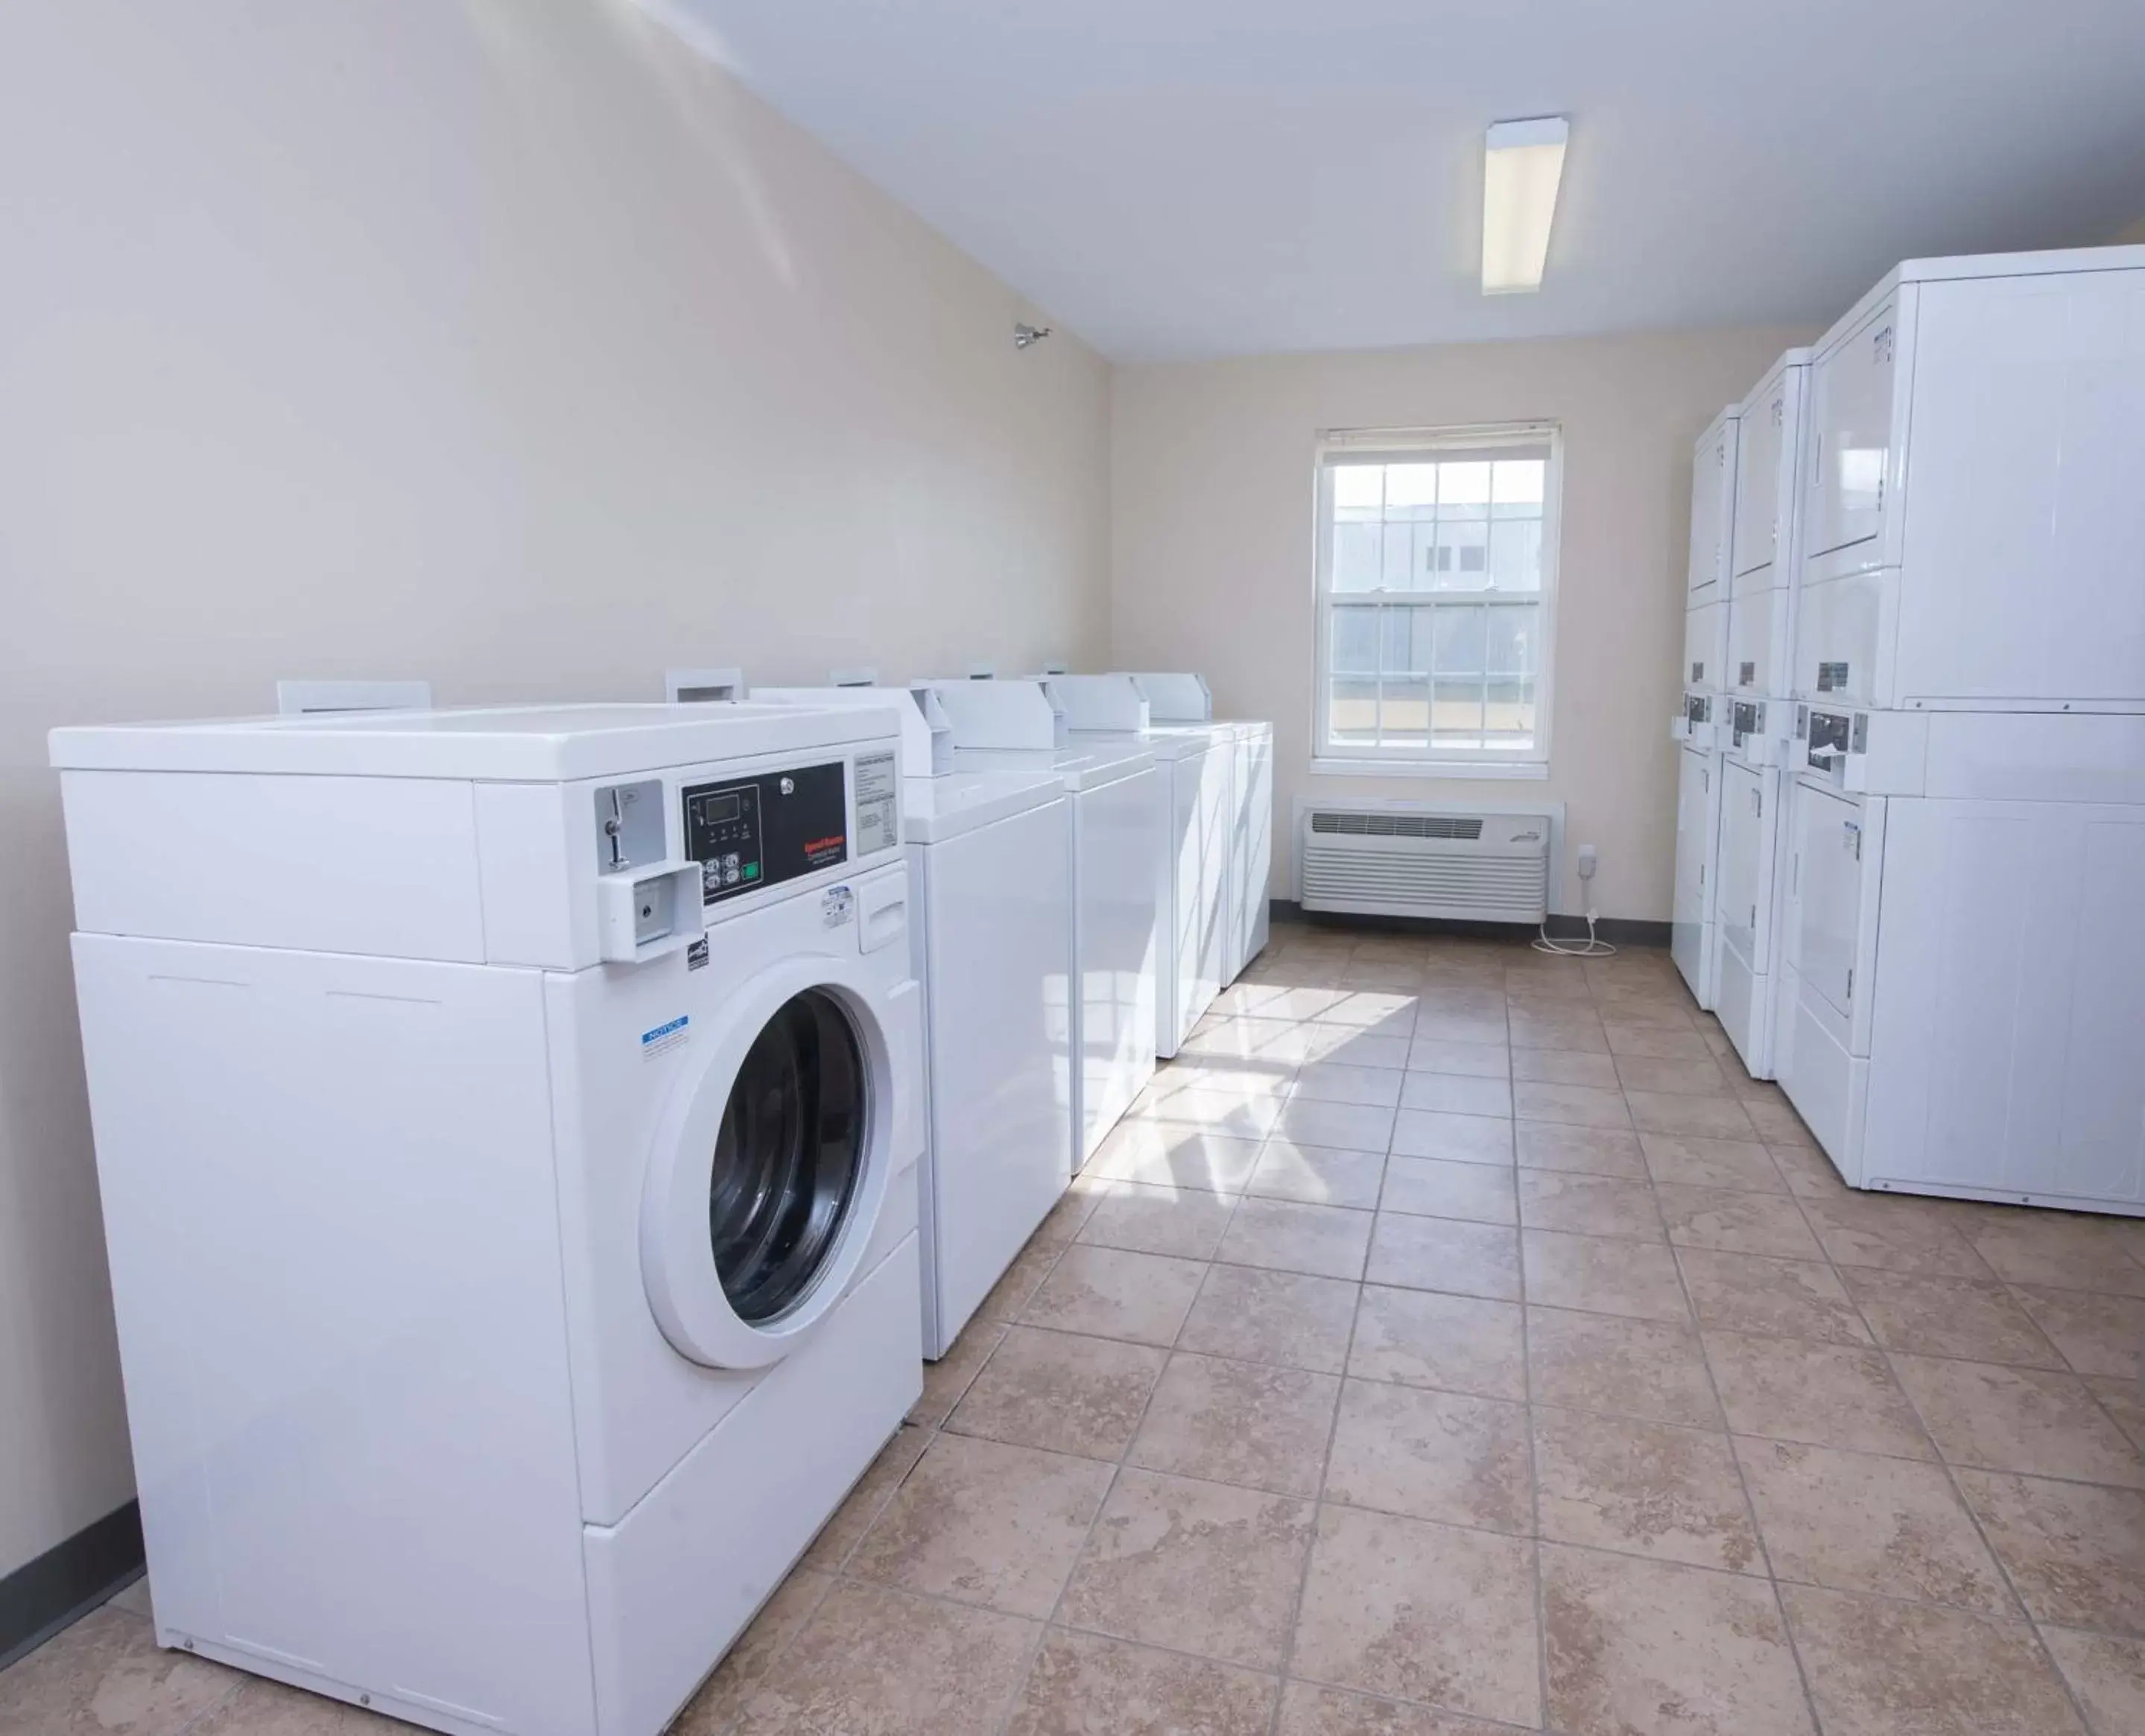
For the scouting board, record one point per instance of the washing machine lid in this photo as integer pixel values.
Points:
(1082, 767)
(935, 809)
(508, 743)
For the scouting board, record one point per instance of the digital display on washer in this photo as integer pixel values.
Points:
(764, 830)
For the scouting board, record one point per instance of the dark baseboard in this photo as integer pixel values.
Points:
(1620, 931)
(68, 1580)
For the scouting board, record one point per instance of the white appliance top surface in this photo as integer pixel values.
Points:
(1165, 741)
(935, 809)
(1753, 407)
(2021, 264)
(1976, 265)
(513, 744)
(1211, 732)
(1083, 765)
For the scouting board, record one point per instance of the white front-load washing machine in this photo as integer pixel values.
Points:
(507, 1125)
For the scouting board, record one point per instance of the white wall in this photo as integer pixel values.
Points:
(1211, 531)
(502, 342)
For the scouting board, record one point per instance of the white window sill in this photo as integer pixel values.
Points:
(1496, 770)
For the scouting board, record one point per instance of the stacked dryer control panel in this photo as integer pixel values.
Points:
(1960, 983)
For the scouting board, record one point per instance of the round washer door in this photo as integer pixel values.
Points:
(769, 1167)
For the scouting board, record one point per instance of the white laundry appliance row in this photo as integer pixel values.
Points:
(991, 940)
(539, 1145)
(1077, 912)
(1753, 732)
(1709, 574)
(1218, 778)
(1106, 1015)
(1932, 823)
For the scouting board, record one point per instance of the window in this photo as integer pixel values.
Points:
(1436, 567)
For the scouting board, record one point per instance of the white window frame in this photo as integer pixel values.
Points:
(1399, 445)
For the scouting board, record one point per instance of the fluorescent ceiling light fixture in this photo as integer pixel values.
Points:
(1522, 162)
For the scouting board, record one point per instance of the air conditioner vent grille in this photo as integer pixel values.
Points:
(1398, 861)
(1399, 825)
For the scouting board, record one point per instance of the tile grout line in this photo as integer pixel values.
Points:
(1959, 1494)
(1236, 1200)
(1050, 1619)
(839, 1571)
(775, 1657)
(1109, 1488)
(1317, 1506)
(2085, 1380)
(200, 1719)
(1742, 1483)
(1534, 1472)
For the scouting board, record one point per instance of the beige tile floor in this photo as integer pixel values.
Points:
(1455, 1340)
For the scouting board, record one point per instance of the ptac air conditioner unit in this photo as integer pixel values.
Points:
(1477, 867)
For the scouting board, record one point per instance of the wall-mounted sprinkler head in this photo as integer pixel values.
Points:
(1025, 336)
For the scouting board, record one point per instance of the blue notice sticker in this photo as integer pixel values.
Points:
(664, 1037)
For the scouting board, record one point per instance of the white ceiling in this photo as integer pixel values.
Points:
(1198, 177)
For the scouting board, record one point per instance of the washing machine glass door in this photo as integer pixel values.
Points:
(788, 1156)
(772, 1161)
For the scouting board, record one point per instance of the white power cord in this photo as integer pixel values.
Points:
(1592, 946)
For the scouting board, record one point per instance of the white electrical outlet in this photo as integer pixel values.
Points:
(1590, 858)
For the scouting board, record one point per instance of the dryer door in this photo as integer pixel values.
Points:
(772, 1164)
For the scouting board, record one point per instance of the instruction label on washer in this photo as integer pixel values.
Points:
(838, 907)
(665, 1037)
(879, 804)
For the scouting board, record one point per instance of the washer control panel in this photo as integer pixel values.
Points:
(763, 830)
(1828, 739)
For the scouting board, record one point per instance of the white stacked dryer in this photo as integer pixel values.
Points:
(507, 1126)
(990, 853)
(1119, 839)
(1196, 767)
(1696, 727)
(1751, 852)
(1964, 1009)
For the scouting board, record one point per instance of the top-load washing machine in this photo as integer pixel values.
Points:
(1119, 838)
(1182, 701)
(507, 1124)
(1195, 769)
(990, 859)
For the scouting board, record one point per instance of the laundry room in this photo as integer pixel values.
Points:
(905, 867)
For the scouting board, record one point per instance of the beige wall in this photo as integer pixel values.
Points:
(2130, 235)
(501, 342)
(1211, 517)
